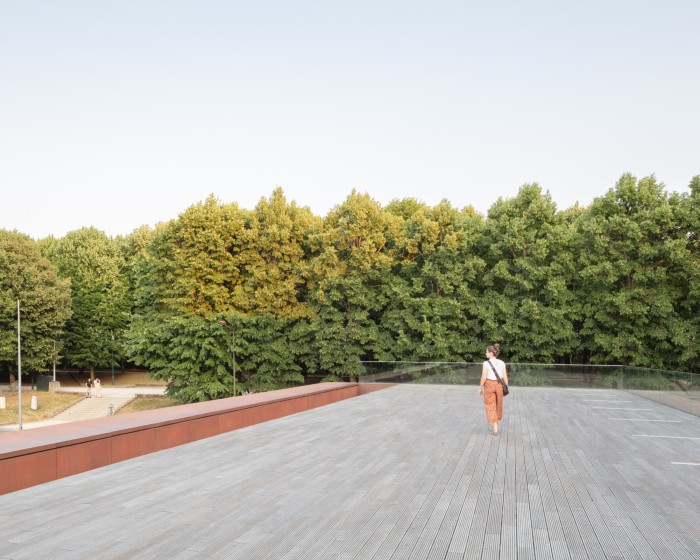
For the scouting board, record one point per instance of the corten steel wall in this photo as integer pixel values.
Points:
(41, 455)
(371, 387)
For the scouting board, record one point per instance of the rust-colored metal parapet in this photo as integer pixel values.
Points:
(371, 387)
(41, 455)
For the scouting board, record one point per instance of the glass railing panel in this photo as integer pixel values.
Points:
(469, 373)
(674, 388)
(444, 373)
(577, 376)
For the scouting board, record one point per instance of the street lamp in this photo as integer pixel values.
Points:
(233, 350)
(112, 357)
(19, 366)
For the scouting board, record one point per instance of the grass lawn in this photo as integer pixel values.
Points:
(132, 378)
(146, 402)
(49, 404)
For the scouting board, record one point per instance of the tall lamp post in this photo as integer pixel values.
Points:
(233, 350)
(19, 367)
(112, 356)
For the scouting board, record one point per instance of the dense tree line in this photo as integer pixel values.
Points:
(615, 282)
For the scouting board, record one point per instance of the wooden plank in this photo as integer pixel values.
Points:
(409, 472)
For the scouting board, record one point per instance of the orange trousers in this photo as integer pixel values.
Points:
(493, 401)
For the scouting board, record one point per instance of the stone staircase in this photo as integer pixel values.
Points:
(92, 408)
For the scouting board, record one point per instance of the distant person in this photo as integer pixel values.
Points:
(98, 388)
(490, 387)
(89, 388)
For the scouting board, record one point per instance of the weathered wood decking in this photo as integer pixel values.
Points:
(407, 472)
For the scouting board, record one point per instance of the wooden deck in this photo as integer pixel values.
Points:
(407, 472)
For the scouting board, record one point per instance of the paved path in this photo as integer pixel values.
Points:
(407, 472)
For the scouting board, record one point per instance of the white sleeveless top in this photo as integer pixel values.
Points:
(500, 368)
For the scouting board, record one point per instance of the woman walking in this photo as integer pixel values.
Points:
(491, 388)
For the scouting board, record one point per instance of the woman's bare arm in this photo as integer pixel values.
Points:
(484, 371)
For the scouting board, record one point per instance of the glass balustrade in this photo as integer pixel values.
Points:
(674, 388)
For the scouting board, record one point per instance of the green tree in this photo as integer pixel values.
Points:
(632, 257)
(278, 264)
(215, 261)
(194, 265)
(45, 303)
(526, 303)
(265, 354)
(132, 248)
(433, 312)
(353, 285)
(101, 304)
(184, 272)
(191, 352)
(687, 342)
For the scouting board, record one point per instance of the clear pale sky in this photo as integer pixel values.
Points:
(118, 114)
